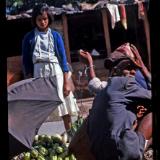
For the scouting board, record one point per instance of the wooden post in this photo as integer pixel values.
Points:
(106, 31)
(147, 33)
(66, 39)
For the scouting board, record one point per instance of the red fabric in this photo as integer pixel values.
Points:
(14, 69)
(126, 50)
(122, 11)
(123, 15)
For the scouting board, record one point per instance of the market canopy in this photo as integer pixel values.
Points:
(30, 102)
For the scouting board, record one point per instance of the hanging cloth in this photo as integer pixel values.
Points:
(115, 16)
(123, 15)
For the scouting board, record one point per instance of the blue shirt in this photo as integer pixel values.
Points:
(111, 119)
(142, 81)
(27, 51)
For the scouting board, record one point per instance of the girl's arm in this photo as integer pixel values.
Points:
(27, 57)
(61, 54)
(60, 51)
(66, 85)
(95, 85)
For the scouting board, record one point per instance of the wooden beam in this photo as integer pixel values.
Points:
(106, 31)
(66, 39)
(147, 33)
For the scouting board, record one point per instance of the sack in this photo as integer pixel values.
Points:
(80, 144)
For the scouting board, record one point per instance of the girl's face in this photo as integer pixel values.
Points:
(42, 21)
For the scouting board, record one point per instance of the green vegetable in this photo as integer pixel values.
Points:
(27, 156)
(53, 157)
(48, 145)
(55, 145)
(49, 148)
(64, 146)
(41, 143)
(66, 158)
(80, 121)
(59, 158)
(35, 143)
(57, 139)
(40, 157)
(59, 150)
(41, 137)
(64, 154)
(72, 157)
(43, 151)
(47, 138)
(52, 152)
(74, 128)
(36, 147)
(34, 153)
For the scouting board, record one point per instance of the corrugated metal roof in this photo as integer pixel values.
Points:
(79, 8)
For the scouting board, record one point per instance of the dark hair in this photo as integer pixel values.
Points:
(38, 10)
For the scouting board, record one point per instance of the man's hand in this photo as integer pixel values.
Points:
(86, 58)
(140, 111)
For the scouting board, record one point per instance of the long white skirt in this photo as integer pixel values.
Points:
(69, 105)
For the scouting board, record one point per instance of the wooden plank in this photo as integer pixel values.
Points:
(106, 31)
(66, 39)
(147, 33)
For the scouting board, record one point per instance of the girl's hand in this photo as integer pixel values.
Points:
(66, 85)
(66, 89)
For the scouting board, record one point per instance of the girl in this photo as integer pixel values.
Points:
(43, 55)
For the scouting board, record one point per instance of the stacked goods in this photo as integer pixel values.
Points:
(53, 147)
(46, 147)
(75, 126)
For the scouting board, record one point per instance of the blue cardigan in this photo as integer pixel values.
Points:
(27, 51)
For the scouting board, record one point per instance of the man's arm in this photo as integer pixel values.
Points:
(95, 84)
(86, 58)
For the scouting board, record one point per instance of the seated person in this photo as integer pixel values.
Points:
(142, 75)
(111, 121)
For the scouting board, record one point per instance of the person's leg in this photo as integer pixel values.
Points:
(67, 121)
(145, 126)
